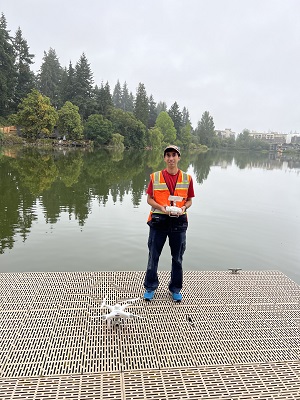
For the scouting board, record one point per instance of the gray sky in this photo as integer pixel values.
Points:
(237, 59)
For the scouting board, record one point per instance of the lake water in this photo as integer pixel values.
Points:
(74, 210)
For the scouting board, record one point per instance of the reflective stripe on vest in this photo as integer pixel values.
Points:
(157, 185)
(160, 186)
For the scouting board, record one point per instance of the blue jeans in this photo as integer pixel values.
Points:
(156, 241)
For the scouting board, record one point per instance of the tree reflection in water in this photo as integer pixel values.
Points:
(69, 180)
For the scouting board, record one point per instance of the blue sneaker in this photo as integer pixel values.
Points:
(149, 294)
(176, 296)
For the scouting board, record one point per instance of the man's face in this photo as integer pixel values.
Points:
(171, 157)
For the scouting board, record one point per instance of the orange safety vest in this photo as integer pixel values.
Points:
(161, 191)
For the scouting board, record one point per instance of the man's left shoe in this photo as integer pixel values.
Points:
(176, 296)
(149, 294)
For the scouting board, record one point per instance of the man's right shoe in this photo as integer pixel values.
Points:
(149, 294)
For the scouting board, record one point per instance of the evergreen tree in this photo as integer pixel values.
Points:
(127, 99)
(161, 106)
(205, 130)
(152, 112)
(67, 87)
(184, 135)
(25, 77)
(117, 95)
(176, 116)
(63, 86)
(49, 77)
(131, 101)
(141, 106)
(185, 117)
(103, 99)
(7, 70)
(83, 84)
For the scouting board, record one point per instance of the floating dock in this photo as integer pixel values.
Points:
(234, 336)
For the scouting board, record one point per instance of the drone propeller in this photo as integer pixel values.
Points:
(136, 316)
(130, 301)
(103, 303)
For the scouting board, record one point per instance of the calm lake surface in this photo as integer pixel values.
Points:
(74, 210)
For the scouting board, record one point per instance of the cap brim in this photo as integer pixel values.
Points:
(171, 149)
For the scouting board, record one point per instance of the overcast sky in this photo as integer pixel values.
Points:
(237, 59)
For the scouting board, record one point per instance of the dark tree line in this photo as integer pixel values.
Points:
(16, 77)
(106, 116)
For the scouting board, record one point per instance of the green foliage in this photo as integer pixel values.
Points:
(152, 112)
(49, 77)
(12, 120)
(127, 125)
(176, 116)
(83, 85)
(127, 99)
(103, 99)
(161, 106)
(186, 135)
(3, 121)
(76, 85)
(25, 77)
(117, 141)
(166, 125)
(244, 141)
(36, 115)
(197, 148)
(117, 95)
(69, 121)
(7, 70)
(259, 145)
(205, 130)
(227, 143)
(155, 138)
(141, 106)
(67, 86)
(186, 117)
(8, 140)
(98, 129)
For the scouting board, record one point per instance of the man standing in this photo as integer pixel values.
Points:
(170, 194)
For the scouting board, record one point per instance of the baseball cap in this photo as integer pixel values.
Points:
(172, 148)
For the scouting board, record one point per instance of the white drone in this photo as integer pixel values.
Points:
(117, 311)
(173, 210)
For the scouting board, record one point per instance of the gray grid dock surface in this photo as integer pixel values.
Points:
(234, 336)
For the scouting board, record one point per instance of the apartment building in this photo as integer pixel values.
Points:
(272, 137)
(226, 133)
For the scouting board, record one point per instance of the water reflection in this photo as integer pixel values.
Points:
(69, 181)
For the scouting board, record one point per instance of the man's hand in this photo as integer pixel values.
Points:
(174, 210)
